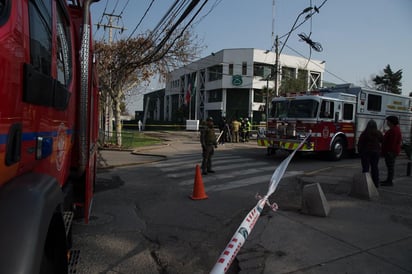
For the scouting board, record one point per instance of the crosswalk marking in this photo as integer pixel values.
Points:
(232, 171)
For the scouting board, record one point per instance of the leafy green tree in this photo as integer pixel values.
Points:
(390, 81)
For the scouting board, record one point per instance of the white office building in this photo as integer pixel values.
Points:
(233, 83)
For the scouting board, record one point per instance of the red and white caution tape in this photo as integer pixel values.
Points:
(241, 234)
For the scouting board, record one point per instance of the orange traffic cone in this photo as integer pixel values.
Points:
(198, 189)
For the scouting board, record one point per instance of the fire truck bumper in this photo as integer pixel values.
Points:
(292, 145)
(267, 142)
(264, 142)
(285, 144)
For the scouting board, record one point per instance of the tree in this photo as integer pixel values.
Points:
(293, 85)
(127, 63)
(390, 81)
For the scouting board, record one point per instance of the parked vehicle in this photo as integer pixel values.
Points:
(335, 118)
(48, 130)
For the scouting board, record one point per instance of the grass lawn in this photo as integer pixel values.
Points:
(133, 139)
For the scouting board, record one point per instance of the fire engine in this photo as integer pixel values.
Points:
(334, 118)
(48, 130)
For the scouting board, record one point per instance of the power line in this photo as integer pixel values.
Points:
(101, 19)
(170, 31)
(184, 29)
(168, 19)
(124, 7)
(331, 73)
(217, 2)
(307, 17)
(110, 25)
(115, 6)
(141, 19)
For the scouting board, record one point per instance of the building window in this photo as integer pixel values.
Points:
(215, 73)
(230, 69)
(263, 70)
(288, 73)
(214, 96)
(374, 102)
(244, 68)
(258, 96)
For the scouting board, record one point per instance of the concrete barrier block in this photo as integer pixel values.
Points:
(314, 201)
(363, 187)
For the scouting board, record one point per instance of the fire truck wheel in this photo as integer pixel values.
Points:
(55, 254)
(337, 149)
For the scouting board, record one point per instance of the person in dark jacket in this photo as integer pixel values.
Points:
(369, 148)
(208, 142)
(391, 147)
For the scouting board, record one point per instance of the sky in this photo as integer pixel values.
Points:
(359, 37)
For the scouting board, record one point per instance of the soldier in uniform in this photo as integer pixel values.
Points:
(208, 141)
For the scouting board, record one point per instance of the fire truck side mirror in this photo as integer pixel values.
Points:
(336, 117)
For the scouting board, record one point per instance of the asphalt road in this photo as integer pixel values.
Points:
(143, 220)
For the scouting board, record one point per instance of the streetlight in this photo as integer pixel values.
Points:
(294, 24)
(277, 52)
(308, 9)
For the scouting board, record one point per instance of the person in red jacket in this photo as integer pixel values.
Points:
(391, 147)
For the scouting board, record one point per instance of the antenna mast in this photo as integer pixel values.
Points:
(273, 25)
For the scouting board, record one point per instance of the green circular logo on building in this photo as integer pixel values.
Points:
(237, 80)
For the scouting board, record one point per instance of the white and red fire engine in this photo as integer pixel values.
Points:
(48, 130)
(335, 118)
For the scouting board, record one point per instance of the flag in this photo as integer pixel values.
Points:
(188, 94)
(191, 87)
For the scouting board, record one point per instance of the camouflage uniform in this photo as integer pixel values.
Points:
(208, 141)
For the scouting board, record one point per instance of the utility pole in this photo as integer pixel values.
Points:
(277, 66)
(273, 25)
(107, 109)
(110, 26)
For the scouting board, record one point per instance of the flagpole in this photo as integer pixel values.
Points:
(195, 93)
(190, 106)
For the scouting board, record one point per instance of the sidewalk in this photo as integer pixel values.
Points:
(109, 158)
(118, 158)
(358, 236)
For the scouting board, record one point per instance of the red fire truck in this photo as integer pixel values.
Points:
(335, 118)
(48, 130)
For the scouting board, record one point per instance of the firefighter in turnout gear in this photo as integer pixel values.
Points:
(243, 130)
(208, 141)
(235, 131)
(248, 125)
